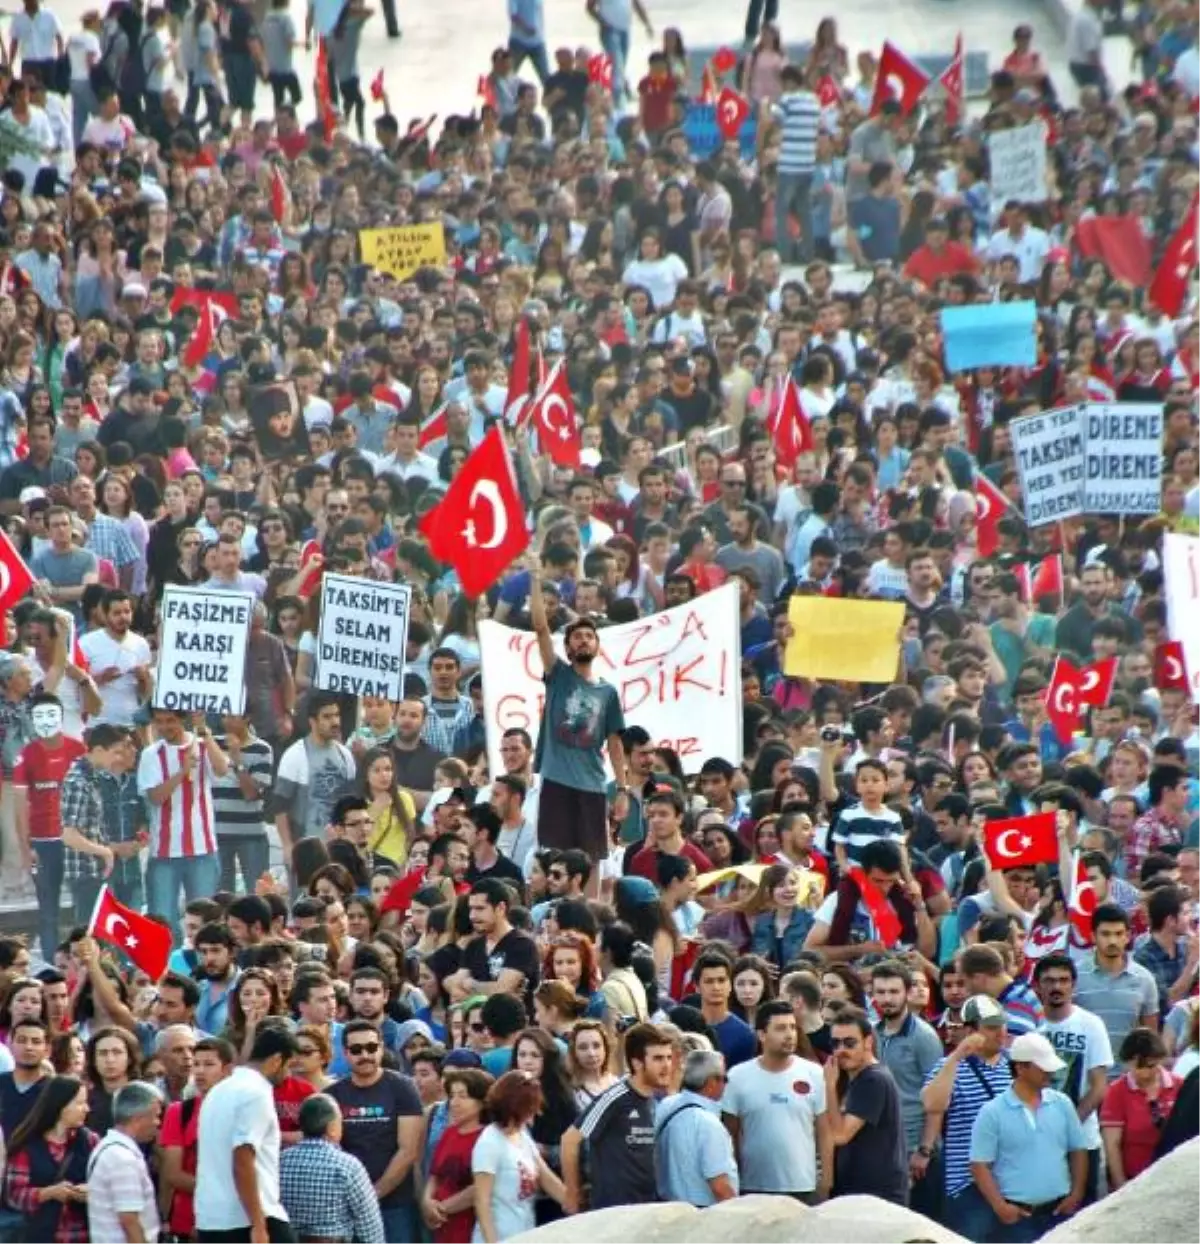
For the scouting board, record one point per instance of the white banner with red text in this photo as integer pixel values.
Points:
(677, 672)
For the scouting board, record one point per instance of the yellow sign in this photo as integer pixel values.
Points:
(844, 640)
(400, 251)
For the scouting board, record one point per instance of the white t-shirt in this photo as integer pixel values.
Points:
(512, 1163)
(777, 1111)
(80, 46)
(1081, 1041)
(239, 1111)
(36, 35)
(659, 277)
(1030, 250)
(1085, 36)
(119, 698)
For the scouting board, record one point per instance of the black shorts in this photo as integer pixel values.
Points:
(573, 818)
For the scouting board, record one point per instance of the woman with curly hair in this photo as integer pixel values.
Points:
(571, 958)
(252, 1000)
(113, 1059)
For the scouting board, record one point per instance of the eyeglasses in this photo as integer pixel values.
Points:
(557, 874)
(844, 1043)
(477, 1027)
(307, 1051)
(733, 483)
(357, 1051)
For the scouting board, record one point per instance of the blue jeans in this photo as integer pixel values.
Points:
(48, 881)
(399, 1223)
(794, 192)
(84, 894)
(198, 877)
(535, 52)
(616, 44)
(249, 852)
(126, 883)
(970, 1215)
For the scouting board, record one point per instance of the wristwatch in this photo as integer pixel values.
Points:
(925, 1151)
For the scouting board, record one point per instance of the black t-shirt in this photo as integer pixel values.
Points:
(370, 1124)
(618, 1129)
(874, 1163)
(696, 409)
(503, 870)
(414, 769)
(574, 84)
(514, 950)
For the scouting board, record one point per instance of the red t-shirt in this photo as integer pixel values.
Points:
(1126, 1107)
(657, 95)
(929, 267)
(290, 1095)
(645, 862)
(175, 1135)
(41, 769)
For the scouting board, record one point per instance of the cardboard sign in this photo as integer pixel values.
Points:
(402, 249)
(1050, 460)
(363, 632)
(202, 653)
(844, 640)
(1017, 159)
(1123, 458)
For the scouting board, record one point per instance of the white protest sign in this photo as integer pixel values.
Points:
(1123, 458)
(202, 651)
(1050, 459)
(1181, 579)
(1017, 160)
(677, 674)
(364, 628)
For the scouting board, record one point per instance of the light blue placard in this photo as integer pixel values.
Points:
(993, 334)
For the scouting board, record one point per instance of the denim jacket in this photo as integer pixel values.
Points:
(781, 950)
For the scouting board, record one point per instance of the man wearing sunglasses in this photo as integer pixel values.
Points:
(381, 1112)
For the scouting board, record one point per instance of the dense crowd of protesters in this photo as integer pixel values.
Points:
(465, 1002)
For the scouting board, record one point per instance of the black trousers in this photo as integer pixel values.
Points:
(278, 1232)
(758, 11)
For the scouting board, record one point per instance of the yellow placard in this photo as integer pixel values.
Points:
(401, 250)
(844, 640)
(751, 872)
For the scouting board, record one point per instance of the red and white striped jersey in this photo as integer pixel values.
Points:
(182, 827)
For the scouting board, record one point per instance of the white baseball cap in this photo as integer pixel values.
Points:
(1032, 1047)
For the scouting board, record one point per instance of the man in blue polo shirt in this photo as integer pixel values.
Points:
(1028, 1148)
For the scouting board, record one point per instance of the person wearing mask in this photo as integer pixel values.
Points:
(121, 1200)
(693, 1152)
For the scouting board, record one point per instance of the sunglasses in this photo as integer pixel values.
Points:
(357, 1051)
(844, 1043)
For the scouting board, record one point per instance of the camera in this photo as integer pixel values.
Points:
(831, 734)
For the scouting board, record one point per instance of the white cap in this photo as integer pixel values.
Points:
(1032, 1047)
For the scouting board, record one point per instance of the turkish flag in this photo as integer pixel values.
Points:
(518, 374)
(732, 111)
(1170, 669)
(146, 942)
(990, 507)
(1046, 580)
(708, 86)
(829, 94)
(479, 525)
(279, 195)
(789, 426)
(377, 86)
(15, 576)
(951, 79)
(1081, 906)
(1022, 841)
(312, 563)
(324, 93)
(1063, 700)
(600, 70)
(724, 60)
(552, 413)
(213, 307)
(1098, 680)
(486, 91)
(1168, 290)
(1120, 242)
(434, 428)
(898, 78)
(883, 914)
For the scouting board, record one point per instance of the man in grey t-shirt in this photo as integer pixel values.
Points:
(314, 773)
(62, 569)
(872, 142)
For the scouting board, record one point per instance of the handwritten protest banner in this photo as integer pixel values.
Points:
(1050, 461)
(361, 640)
(677, 674)
(1123, 458)
(202, 652)
(852, 640)
(1181, 579)
(1017, 159)
(402, 249)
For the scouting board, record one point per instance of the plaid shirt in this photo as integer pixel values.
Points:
(21, 1194)
(1163, 967)
(123, 817)
(11, 412)
(108, 539)
(16, 730)
(328, 1194)
(447, 734)
(1150, 833)
(83, 811)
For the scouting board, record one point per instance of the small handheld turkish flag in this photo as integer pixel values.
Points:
(517, 397)
(951, 80)
(1098, 680)
(1021, 841)
(789, 426)
(883, 914)
(1063, 702)
(552, 413)
(991, 505)
(146, 942)
(15, 577)
(600, 70)
(212, 308)
(829, 94)
(1168, 290)
(377, 86)
(479, 525)
(1081, 906)
(434, 428)
(724, 60)
(732, 111)
(899, 79)
(1170, 669)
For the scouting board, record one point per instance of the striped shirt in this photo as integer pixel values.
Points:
(975, 1084)
(182, 827)
(232, 811)
(1023, 1009)
(799, 115)
(856, 828)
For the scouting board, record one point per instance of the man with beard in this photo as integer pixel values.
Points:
(413, 758)
(582, 712)
(119, 659)
(217, 972)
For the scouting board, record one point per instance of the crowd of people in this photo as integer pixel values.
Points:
(414, 997)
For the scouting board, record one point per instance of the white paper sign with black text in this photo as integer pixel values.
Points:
(363, 633)
(202, 653)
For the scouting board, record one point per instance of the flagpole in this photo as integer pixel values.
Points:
(95, 911)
